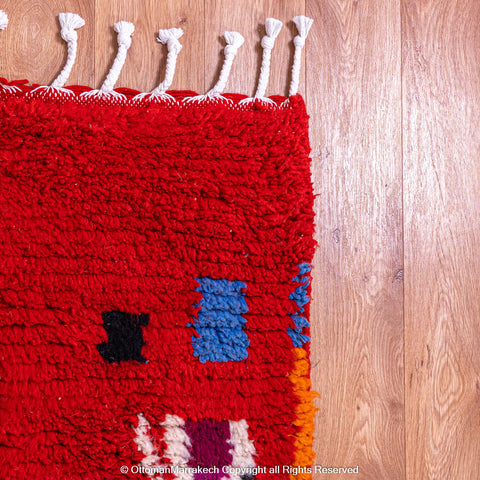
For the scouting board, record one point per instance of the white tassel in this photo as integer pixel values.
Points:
(170, 38)
(124, 39)
(3, 26)
(272, 29)
(303, 26)
(125, 31)
(234, 41)
(69, 23)
(3, 20)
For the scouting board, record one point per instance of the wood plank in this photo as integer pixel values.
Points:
(32, 47)
(354, 94)
(441, 81)
(232, 15)
(145, 64)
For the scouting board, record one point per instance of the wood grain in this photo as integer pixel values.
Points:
(145, 64)
(32, 47)
(354, 90)
(441, 81)
(395, 167)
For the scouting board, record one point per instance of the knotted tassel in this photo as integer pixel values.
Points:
(234, 41)
(69, 23)
(170, 38)
(125, 31)
(3, 20)
(124, 39)
(272, 29)
(303, 27)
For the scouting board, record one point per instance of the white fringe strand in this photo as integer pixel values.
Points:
(303, 27)
(272, 29)
(125, 31)
(124, 39)
(3, 20)
(170, 38)
(69, 23)
(234, 41)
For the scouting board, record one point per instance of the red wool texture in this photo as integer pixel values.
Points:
(121, 207)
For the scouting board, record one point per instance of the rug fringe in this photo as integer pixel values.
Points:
(69, 22)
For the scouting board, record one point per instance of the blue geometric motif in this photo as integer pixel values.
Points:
(299, 295)
(219, 323)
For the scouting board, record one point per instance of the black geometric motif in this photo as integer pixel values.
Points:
(125, 339)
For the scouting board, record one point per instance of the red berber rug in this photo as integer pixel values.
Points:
(155, 276)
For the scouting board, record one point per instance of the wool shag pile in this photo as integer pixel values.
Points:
(154, 285)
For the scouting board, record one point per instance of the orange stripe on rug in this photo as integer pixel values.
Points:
(305, 410)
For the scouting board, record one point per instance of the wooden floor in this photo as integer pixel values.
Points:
(393, 90)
